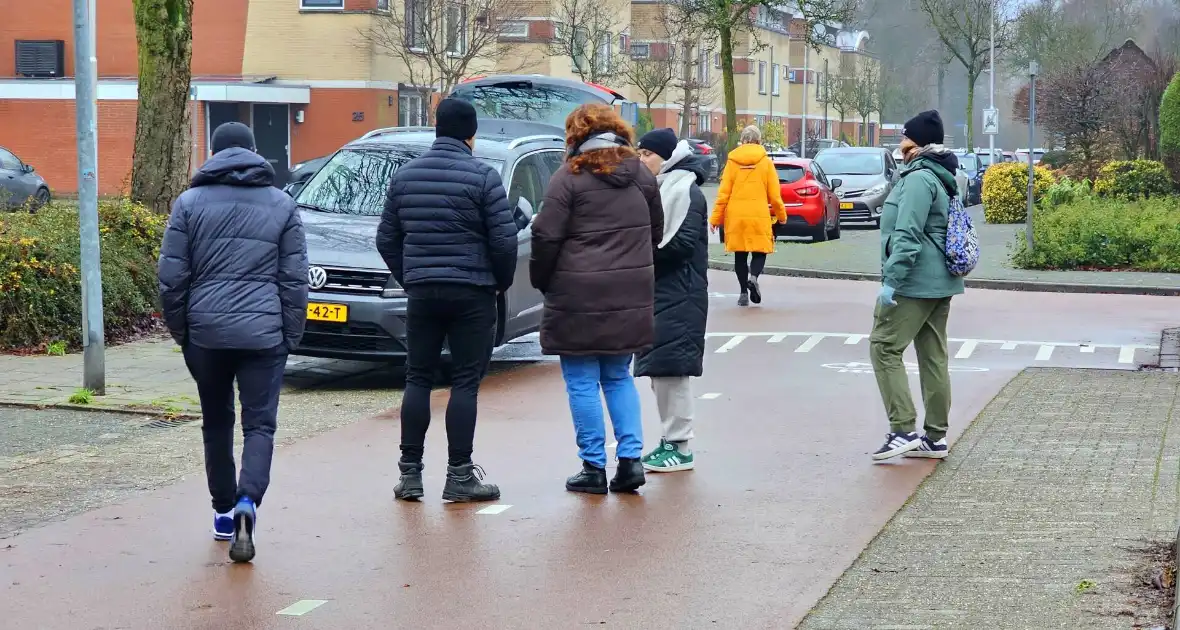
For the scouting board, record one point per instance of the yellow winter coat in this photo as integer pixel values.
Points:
(749, 202)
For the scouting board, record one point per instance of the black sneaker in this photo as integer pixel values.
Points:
(465, 485)
(629, 475)
(755, 291)
(409, 487)
(592, 480)
(897, 444)
(930, 449)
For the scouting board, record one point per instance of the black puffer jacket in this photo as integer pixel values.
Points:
(682, 290)
(447, 221)
(233, 266)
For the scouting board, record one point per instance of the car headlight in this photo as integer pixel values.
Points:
(392, 289)
(876, 190)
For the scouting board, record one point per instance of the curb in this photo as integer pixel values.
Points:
(971, 283)
(130, 411)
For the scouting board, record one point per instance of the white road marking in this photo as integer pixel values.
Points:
(1126, 354)
(1008, 345)
(1045, 352)
(302, 607)
(811, 342)
(710, 396)
(1088, 348)
(731, 344)
(494, 509)
(776, 338)
(852, 340)
(856, 367)
(965, 350)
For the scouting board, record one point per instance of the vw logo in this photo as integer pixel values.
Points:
(316, 277)
(840, 194)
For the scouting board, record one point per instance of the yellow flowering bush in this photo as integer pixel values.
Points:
(1005, 191)
(40, 282)
(1133, 179)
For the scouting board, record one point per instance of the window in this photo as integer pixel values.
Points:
(624, 43)
(819, 81)
(553, 160)
(852, 163)
(321, 4)
(580, 41)
(605, 52)
(819, 174)
(410, 110)
(382, 5)
(456, 28)
(529, 178)
(789, 173)
(702, 66)
(760, 120)
(717, 60)
(416, 18)
(774, 77)
(640, 51)
(515, 29)
(8, 161)
(762, 77)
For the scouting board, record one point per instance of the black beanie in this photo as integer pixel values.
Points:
(925, 128)
(232, 134)
(455, 118)
(662, 142)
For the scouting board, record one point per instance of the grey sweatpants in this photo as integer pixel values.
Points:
(674, 400)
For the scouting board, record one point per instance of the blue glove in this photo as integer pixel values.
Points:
(885, 296)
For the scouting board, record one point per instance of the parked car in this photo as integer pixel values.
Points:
(301, 173)
(531, 98)
(781, 154)
(1022, 155)
(20, 183)
(972, 166)
(700, 147)
(867, 175)
(815, 146)
(812, 207)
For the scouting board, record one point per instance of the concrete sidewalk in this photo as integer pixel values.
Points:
(1040, 518)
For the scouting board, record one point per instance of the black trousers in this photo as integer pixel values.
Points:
(744, 269)
(259, 374)
(465, 318)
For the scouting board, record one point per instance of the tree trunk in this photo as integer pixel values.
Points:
(970, 110)
(160, 168)
(941, 87)
(726, 37)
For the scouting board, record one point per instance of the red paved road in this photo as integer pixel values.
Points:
(782, 501)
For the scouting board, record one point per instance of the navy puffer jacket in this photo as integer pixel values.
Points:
(233, 266)
(447, 221)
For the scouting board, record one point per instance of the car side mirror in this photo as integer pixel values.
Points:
(27, 168)
(294, 188)
(522, 215)
(836, 183)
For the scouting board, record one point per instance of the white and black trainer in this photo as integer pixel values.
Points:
(930, 449)
(897, 444)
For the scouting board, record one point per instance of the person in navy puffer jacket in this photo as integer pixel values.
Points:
(233, 285)
(450, 240)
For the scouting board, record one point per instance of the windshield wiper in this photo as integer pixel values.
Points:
(308, 206)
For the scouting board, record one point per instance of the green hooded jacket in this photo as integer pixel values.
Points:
(913, 228)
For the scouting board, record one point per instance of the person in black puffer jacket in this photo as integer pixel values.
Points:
(449, 238)
(233, 287)
(682, 295)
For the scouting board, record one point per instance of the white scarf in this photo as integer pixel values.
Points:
(675, 189)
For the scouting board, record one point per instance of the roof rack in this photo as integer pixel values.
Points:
(531, 139)
(387, 130)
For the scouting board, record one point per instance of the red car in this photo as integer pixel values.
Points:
(812, 208)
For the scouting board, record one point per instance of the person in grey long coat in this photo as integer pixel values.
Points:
(682, 296)
(233, 287)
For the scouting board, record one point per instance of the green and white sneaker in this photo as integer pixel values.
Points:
(665, 458)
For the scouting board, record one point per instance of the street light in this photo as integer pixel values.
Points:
(1033, 69)
(991, 65)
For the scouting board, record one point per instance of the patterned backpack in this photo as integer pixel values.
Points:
(962, 242)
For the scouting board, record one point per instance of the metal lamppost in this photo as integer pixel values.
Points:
(1033, 69)
(992, 114)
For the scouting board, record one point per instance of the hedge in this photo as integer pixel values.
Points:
(1132, 179)
(1105, 234)
(40, 283)
(1170, 127)
(1005, 191)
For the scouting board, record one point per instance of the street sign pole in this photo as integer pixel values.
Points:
(1032, 125)
(85, 99)
(991, 64)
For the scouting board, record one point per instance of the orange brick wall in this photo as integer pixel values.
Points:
(328, 122)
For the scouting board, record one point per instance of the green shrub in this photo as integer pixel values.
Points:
(1104, 233)
(645, 124)
(1005, 191)
(1065, 191)
(1170, 127)
(1056, 159)
(1132, 179)
(40, 283)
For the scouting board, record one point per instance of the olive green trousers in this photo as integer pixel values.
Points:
(921, 322)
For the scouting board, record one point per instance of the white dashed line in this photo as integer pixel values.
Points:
(1088, 349)
(776, 339)
(710, 396)
(1009, 345)
(612, 445)
(731, 344)
(852, 340)
(811, 342)
(302, 607)
(1045, 352)
(965, 350)
(494, 509)
(1126, 355)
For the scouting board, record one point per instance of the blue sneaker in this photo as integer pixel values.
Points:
(241, 546)
(930, 449)
(223, 526)
(897, 444)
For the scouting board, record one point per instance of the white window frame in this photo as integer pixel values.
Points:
(774, 80)
(321, 5)
(458, 46)
(640, 51)
(412, 22)
(383, 5)
(410, 109)
(606, 50)
(717, 60)
(762, 77)
(514, 29)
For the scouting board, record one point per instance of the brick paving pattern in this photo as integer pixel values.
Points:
(1057, 482)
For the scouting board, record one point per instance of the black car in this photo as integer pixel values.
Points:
(700, 147)
(973, 166)
(302, 172)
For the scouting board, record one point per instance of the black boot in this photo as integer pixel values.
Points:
(465, 485)
(592, 480)
(409, 487)
(628, 476)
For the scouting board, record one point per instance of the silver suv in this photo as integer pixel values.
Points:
(867, 177)
(356, 310)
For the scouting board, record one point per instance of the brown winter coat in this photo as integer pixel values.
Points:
(593, 244)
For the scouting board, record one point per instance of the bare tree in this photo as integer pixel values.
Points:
(1073, 104)
(866, 93)
(1059, 34)
(694, 81)
(964, 28)
(587, 32)
(839, 93)
(652, 67)
(442, 42)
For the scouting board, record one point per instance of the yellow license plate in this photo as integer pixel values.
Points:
(845, 206)
(317, 312)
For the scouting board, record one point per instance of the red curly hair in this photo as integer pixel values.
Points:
(590, 119)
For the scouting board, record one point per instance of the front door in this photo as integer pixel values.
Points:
(529, 178)
(271, 127)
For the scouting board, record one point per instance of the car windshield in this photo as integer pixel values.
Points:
(789, 173)
(525, 100)
(985, 159)
(969, 162)
(354, 181)
(849, 163)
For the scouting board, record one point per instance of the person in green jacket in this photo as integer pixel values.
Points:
(916, 291)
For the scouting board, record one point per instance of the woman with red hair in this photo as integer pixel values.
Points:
(592, 258)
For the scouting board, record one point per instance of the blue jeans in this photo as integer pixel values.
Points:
(584, 376)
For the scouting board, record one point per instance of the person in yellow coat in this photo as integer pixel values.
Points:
(748, 204)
